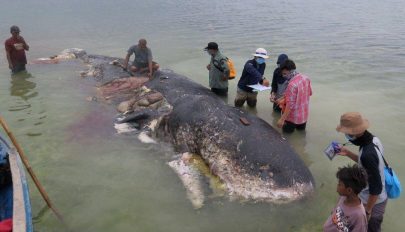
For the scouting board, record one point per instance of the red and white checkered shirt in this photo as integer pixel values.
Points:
(297, 99)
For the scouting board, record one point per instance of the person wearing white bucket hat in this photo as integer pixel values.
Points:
(261, 52)
(252, 74)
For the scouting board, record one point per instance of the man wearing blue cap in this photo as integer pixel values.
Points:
(279, 83)
(15, 51)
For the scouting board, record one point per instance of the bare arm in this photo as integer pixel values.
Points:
(125, 65)
(283, 117)
(26, 47)
(372, 199)
(150, 64)
(345, 152)
(290, 102)
(10, 64)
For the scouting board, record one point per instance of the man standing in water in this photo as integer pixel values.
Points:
(218, 70)
(278, 84)
(252, 74)
(296, 98)
(15, 51)
(374, 196)
(143, 59)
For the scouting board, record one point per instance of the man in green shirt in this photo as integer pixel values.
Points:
(218, 70)
(143, 59)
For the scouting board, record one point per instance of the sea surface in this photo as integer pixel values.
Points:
(353, 51)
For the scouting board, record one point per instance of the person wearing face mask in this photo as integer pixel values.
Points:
(15, 51)
(278, 84)
(252, 74)
(295, 102)
(374, 196)
(218, 70)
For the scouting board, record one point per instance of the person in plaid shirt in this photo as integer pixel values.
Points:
(296, 99)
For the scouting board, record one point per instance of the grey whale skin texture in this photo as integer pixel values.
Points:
(254, 161)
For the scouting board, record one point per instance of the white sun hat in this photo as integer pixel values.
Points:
(261, 52)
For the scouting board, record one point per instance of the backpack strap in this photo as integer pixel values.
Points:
(216, 64)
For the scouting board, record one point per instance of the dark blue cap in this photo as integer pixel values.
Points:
(212, 45)
(282, 58)
(14, 29)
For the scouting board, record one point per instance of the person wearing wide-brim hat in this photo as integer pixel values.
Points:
(252, 74)
(374, 196)
(15, 50)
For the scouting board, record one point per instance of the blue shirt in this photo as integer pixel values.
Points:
(252, 74)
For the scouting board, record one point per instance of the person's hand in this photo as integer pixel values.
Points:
(272, 97)
(280, 122)
(209, 66)
(266, 83)
(368, 214)
(280, 100)
(150, 74)
(344, 151)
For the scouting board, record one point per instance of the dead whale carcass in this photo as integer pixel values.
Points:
(253, 162)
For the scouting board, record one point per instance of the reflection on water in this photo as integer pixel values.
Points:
(23, 88)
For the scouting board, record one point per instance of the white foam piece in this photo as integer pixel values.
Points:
(145, 138)
(191, 179)
(123, 128)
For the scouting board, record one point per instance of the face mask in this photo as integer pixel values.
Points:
(350, 138)
(260, 60)
(290, 75)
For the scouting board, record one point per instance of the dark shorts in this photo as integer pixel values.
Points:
(242, 96)
(289, 127)
(276, 108)
(221, 92)
(18, 68)
(142, 65)
(377, 216)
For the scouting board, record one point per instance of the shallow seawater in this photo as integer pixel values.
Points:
(101, 181)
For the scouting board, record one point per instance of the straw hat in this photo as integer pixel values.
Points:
(352, 123)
